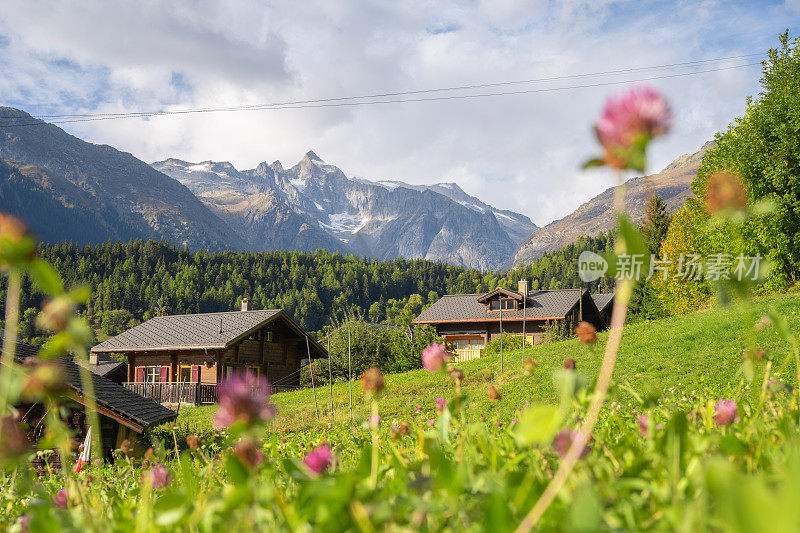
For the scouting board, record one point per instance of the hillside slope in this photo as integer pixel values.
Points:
(685, 353)
(597, 215)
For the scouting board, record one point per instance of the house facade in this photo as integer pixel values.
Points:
(181, 358)
(468, 321)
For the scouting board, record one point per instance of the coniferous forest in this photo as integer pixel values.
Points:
(133, 281)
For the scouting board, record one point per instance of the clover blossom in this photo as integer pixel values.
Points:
(244, 398)
(434, 357)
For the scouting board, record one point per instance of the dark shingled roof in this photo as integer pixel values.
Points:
(603, 300)
(125, 404)
(541, 304)
(188, 331)
(105, 365)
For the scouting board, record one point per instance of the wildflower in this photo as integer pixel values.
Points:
(457, 374)
(125, 447)
(528, 365)
(244, 398)
(441, 403)
(61, 500)
(569, 363)
(643, 425)
(434, 357)
(98, 462)
(13, 441)
(374, 420)
(765, 321)
(193, 441)
(724, 191)
(404, 428)
(726, 412)
(493, 394)
(248, 453)
(55, 314)
(16, 244)
(419, 408)
(564, 440)
(586, 333)
(514, 420)
(431, 422)
(372, 380)
(640, 114)
(319, 459)
(44, 379)
(24, 522)
(524, 405)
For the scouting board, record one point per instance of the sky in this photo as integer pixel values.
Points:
(520, 152)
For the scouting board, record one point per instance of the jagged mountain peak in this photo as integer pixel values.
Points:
(311, 156)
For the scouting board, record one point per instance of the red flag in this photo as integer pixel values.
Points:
(85, 455)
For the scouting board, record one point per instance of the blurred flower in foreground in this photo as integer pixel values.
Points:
(248, 453)
(375, 420)
(12, 439)
(193, 441)
(434, 357)
(319, 459)
(493, 393)
(726, 412)
(441, 403)
(372, 380)
(457, 374)
(564, 440)
(643, 425)
(244, 398)
(16, 244)
(627, 124)
(160, 476)
(569, 363)
(44, 378)
(725, 192)
(586, 333)
(528, 365)
(60, 500)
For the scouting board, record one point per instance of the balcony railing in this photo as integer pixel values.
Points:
(466, 354)
(176, 392)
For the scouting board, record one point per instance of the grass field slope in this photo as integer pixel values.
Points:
(686, 354)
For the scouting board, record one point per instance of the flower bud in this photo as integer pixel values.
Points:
(372, 380)
(725, 191)
(586, 333)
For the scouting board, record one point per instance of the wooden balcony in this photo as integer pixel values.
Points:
(467, 354)
(191, 393)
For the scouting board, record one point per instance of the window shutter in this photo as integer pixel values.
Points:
(139, 374)
(195, 373)
(163, 374)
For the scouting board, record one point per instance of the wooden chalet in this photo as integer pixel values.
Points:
(123, 414)
(469, 321)
(182, 358)
(604, 303)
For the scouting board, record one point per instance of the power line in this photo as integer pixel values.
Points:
(403, 93)
(348, 101)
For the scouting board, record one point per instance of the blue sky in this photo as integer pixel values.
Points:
(516, 152)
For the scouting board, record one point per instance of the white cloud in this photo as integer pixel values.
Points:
(516, 152)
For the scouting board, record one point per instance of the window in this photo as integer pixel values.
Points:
(468, 344)
(505, 304)
(268, 336)
(185, 374)
(151, 374)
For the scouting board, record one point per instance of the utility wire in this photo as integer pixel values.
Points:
(347, 101)
(402, 93)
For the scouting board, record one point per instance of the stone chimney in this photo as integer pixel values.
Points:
(245, 304)
(522, 286)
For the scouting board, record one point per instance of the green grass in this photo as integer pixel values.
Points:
(694, 352)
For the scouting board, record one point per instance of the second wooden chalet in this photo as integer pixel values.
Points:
(469, 321)
(181, 358)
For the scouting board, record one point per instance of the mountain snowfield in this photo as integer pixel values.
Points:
(315, 205)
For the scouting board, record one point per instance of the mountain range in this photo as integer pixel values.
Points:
(315, 205)
(67, 189)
